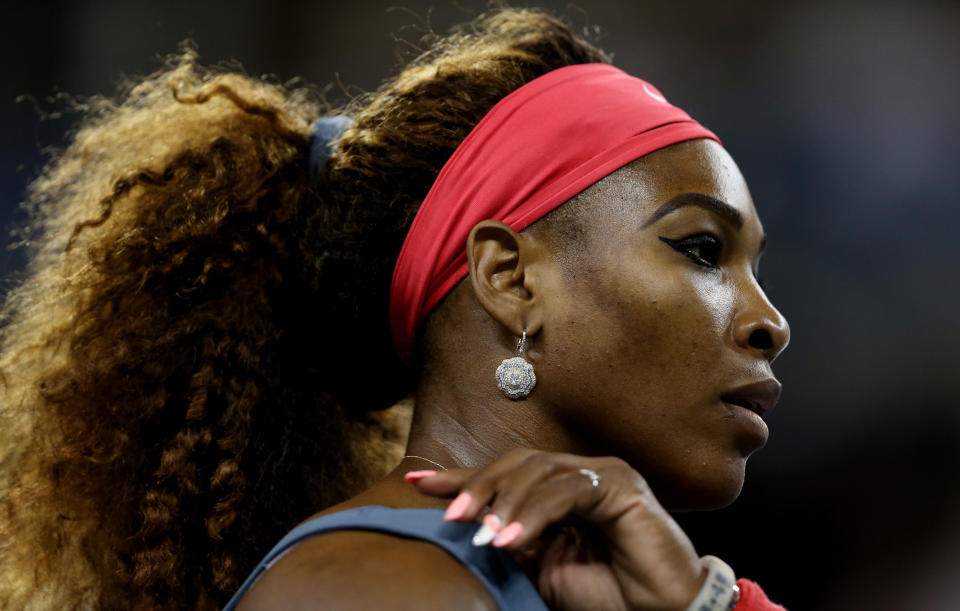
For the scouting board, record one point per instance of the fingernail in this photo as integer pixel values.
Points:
(458, 507)
(489, 529)
(508, 535)
(415, 476)
(493, 521)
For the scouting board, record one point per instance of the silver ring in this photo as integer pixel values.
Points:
(595, 485)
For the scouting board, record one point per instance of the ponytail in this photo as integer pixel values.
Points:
(189, 366)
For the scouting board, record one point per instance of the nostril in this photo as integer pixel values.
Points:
(760, 339)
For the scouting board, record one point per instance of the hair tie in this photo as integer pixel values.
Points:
(325, 131)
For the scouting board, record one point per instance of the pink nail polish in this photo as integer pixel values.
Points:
(415, 476)
(493, 522)
(508, 535)
(458, 507)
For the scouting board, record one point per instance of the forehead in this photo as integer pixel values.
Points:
(636, 190)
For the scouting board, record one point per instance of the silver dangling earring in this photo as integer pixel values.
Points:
(515, 375)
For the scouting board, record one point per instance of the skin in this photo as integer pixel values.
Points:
(640, 328)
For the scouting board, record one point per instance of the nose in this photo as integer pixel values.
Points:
(759, 327)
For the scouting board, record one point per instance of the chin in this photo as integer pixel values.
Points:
(702, 491)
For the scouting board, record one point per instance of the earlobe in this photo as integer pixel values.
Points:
(502, 277)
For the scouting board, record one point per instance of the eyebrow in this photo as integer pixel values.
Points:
(722, 209)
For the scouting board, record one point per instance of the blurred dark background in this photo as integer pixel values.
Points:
(842, 116)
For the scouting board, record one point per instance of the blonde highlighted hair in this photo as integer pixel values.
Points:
(181, 366)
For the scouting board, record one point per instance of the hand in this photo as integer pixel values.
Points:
(609, 547)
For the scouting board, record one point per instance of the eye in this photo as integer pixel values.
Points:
(703, 248)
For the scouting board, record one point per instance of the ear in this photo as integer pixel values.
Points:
(503, 275)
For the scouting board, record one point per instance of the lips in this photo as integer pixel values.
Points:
(758, 397)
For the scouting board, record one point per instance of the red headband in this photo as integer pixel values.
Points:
(534, 150)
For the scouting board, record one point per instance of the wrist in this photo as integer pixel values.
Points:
(719, 591)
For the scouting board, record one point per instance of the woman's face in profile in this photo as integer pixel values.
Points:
(657, 337)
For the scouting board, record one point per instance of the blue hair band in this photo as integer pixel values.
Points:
(325, 131)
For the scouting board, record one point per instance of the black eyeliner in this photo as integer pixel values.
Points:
(695, 240)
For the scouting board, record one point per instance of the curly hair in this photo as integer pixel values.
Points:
(182, 375)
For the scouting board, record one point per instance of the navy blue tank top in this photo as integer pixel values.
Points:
(507, 583)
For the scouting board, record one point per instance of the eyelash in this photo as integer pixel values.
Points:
(684, 245)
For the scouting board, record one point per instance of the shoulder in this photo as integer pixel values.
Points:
(363, 570)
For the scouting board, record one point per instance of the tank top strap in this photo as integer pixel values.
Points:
(501, 575)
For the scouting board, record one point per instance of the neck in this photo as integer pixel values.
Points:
(461, 418)
(457, 424)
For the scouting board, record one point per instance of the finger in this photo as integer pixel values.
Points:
(481, 486)
(553, 501)
(439, 483)
(515, 486)
(472, 488)
(572, 493)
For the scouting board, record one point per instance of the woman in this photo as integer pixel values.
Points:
(190, 366)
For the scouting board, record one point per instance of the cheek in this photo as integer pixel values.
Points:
(635, 329)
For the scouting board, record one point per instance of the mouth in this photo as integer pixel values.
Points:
(757, 397)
